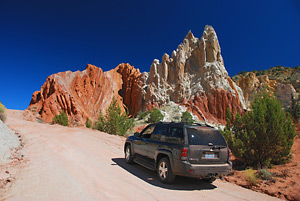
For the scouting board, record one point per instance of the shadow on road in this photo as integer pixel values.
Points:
(181, 183)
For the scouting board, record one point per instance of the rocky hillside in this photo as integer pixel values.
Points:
(283, 82)
(194, 76)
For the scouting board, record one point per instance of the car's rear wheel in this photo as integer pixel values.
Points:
(164, 171)
(128, 155)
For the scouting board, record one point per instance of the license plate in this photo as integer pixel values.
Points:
(209, 155)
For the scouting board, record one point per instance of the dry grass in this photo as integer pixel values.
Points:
(250, 177)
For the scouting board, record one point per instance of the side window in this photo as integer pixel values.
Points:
(147, 133)
(175, 135)
(159, 131)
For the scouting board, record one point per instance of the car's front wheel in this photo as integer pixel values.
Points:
(164, 171)
(128, 155)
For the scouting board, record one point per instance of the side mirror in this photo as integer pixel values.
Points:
(136, 134)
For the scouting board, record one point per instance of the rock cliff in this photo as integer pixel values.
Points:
(251, 84)
(194, 76)
(84, 94)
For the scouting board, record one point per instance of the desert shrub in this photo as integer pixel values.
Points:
(263, 136)
(61, 119)
(155, 116)
(114, 121)
(2, 112)
(187, 117)
(250, 177)
(264, 174)
(242, 73)
(142, 115)
(88, 123)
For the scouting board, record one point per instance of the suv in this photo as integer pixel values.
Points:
(192, 150)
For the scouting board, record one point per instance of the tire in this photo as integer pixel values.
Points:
(128, 155)
(164, 171)
(210, 179)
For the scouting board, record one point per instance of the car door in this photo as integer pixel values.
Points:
(155, 140)
(140, 145)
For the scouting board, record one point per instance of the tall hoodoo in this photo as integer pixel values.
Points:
(195, 76)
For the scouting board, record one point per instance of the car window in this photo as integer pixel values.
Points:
(175, 135)
(203, 136)
(147, 133)
(159, 131)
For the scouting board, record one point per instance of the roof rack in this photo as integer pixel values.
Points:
(188, 123)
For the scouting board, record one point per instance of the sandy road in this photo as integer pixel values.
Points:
(82, 164)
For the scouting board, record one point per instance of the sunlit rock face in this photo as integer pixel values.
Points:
(85, 93)
(252, 84)
(195, 76)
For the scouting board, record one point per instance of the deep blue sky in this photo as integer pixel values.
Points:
(42, 37)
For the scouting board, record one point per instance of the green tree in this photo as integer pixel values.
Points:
(263, 136)
(61, 119)
(88, 123)
(187, 117)
(114, 121)
(155, 116)
(2, 112)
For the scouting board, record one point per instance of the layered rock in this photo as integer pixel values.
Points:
(84, 94)
(252, 84)
(195, 76)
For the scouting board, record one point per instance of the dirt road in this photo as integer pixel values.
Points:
(64, 163)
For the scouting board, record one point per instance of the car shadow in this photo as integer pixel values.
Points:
(181, 183)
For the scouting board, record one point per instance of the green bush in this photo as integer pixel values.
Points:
(155, 116)
(61, 119)
(88, 123)
(2, 112)
(114, 121)
(142, 115)
(264, 174)
(263, 136)
(250, 177)
(187, 117)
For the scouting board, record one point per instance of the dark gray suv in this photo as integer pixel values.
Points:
(192, 150)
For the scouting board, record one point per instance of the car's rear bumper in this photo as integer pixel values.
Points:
(184, 168)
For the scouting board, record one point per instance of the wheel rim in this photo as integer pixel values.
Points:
(127, 154)
(163, 170)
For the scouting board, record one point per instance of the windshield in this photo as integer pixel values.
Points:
(203, 136)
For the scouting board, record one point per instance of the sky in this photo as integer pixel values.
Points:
(40, 38)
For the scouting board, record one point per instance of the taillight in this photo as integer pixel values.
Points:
(183, 153)
(229, 155)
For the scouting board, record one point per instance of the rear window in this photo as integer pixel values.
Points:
(203, 136)
(175, 135)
